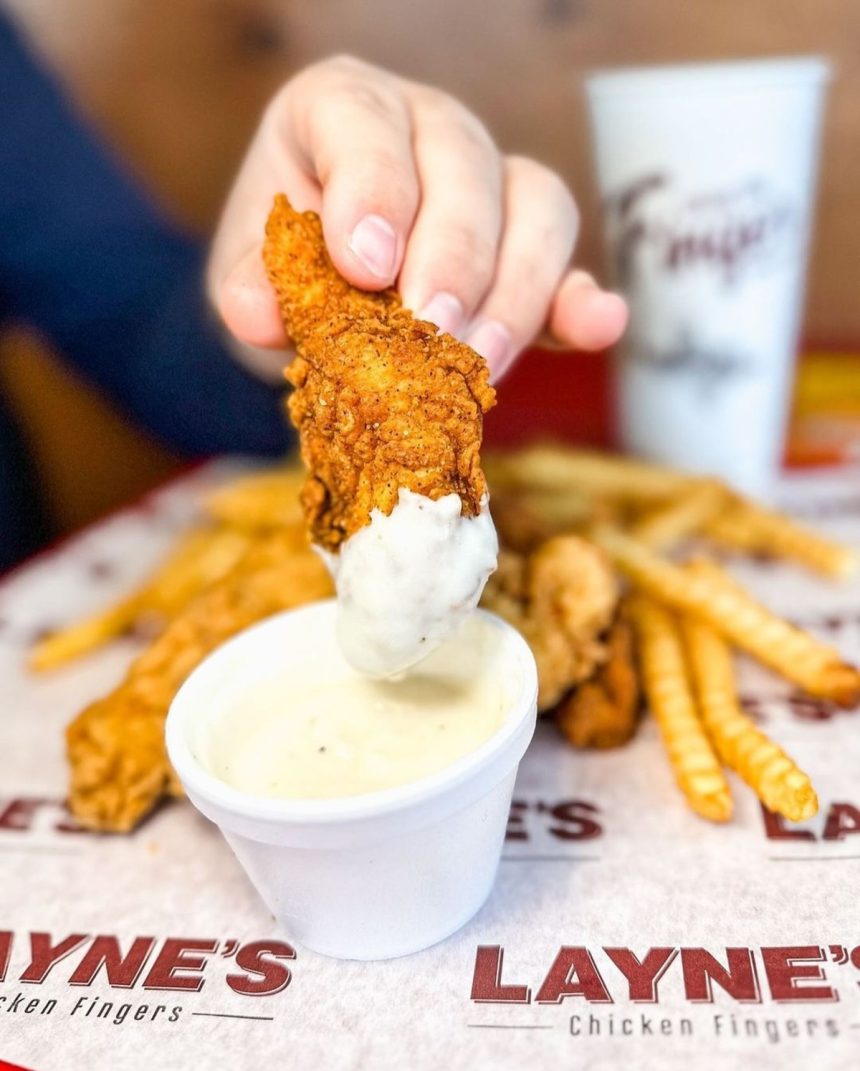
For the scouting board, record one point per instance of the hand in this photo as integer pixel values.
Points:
(412, 190)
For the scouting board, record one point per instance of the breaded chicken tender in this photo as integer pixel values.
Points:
(118, 761)
(381, 400)
(603, 711)
(562, 598)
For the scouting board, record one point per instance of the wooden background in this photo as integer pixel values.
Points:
(177, 86)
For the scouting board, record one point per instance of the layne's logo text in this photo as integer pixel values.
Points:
(170, 965)
(789, 975)
(792, 973)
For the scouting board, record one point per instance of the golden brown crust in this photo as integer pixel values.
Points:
(381, 401)
(603, 711)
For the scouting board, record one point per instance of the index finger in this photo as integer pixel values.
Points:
(353, 134)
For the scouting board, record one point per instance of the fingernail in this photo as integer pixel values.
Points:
(444, 310)
(583, 278)
(611, 304)
(375, 244)
(493, 341)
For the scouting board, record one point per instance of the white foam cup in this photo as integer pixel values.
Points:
(707, 175)
(369, 876)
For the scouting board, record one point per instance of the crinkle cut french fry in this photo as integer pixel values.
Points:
(261, 500)
(202, 557)
(84, 636)
(557, 468)
(772, 774)
(561, 510)
(525, 519)
(791, 651)
(706, 592)
(663, 528)
(747, 527)
(667, 687)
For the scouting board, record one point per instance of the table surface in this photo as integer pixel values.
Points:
(622, 929)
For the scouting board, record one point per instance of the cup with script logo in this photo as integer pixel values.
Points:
(369, 815)
(707, 175)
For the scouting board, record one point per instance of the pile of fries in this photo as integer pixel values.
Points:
(687, 617)
(662, 622)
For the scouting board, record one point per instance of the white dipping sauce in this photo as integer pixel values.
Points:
(344, 734)
(407, 580)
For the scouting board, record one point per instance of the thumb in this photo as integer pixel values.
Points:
(248, 305)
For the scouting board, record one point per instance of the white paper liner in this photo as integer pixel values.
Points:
(602, 853)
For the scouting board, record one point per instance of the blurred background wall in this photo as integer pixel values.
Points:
(177, 86)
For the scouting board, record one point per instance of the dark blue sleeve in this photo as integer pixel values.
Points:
(87, 260)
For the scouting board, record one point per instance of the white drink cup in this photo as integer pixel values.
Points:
(370, 876)
(707, 174)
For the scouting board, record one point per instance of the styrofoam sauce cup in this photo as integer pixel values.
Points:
(368, 876)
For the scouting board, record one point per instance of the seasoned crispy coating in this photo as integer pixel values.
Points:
(562, 599)
(603, 711)
(119, 767)
(381, 401)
